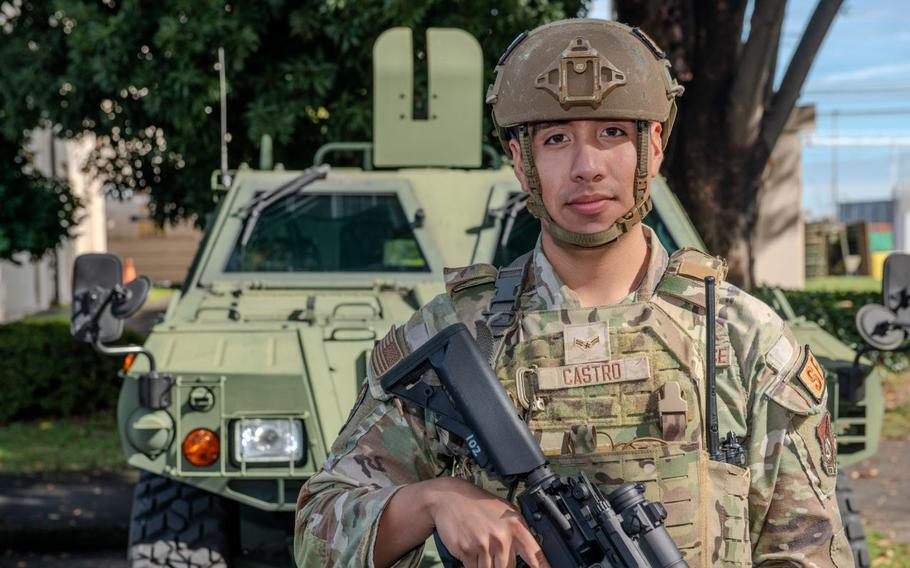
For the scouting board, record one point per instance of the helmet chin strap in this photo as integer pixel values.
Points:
(621, 226)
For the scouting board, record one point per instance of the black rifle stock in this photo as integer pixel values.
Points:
(575, 525)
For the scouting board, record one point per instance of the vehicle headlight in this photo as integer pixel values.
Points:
(268, 440)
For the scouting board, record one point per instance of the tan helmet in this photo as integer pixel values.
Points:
(576, 70)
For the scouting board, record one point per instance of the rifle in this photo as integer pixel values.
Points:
(570, 518)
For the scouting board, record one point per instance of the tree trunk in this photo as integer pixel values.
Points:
(729, 117)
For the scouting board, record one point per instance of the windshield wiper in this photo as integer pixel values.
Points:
(254, 208)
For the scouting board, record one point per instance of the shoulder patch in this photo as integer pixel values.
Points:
(780, 354)
(388, 351)
(695, 264)
(458, 279)
(827, 444)
(812, 376)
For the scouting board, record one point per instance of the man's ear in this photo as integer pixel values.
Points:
(518, 164)
(657, 149)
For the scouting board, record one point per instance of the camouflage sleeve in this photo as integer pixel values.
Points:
(384, 446)
(793, 514)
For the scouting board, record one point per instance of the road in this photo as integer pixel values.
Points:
(108, 559)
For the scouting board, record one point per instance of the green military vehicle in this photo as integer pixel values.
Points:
(256, 363)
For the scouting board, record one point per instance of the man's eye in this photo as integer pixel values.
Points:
(555, 139)
(612, 131)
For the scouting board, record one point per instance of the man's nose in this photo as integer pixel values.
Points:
(588, 165)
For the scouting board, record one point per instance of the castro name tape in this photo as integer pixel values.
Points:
(590, 374)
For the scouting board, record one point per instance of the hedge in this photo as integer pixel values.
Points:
(835, 312)
(44, 372)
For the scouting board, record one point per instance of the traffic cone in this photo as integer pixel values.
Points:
(129, 270)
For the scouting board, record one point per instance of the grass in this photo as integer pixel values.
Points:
(843, 284)
(159, 294)
(887, 552)
(65, 444)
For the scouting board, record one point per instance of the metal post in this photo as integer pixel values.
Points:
(225, 137)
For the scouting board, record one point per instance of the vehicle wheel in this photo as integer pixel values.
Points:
(176, 525)
(853, 526)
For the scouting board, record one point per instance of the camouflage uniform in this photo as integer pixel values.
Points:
(615, 391)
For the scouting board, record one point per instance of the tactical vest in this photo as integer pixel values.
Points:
(618, 391)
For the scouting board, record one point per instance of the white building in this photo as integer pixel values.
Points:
(35, 286)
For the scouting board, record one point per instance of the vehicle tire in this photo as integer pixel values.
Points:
(853, 526)
(176, 525)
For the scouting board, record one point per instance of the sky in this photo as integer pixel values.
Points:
(860, 86)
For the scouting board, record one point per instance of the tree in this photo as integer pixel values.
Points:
(36, 213)
(731, 115)
(141, 77)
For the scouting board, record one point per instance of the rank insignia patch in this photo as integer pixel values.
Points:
(825, 435)
(586, 343)
(812, 376)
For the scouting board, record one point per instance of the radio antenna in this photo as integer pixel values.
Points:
(225, 137)
(710, 372)
(729, 450)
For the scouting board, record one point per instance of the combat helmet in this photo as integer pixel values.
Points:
(582, 69)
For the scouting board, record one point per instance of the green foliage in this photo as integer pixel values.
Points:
(141, 76)
(47, 373)
(835, 312)
(36, 213)
(67, 444)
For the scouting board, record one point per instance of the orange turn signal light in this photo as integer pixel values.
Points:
(128, 362)
(201, 447)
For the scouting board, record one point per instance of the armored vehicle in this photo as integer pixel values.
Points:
(255, 365)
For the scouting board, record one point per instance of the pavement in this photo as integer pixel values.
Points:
(65, 513)
(99, 559)
(881, 484)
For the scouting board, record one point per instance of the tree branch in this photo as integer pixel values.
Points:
(753, 75)
(771, 64)
(785, 98)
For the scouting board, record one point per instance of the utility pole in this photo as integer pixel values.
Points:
(834, 196)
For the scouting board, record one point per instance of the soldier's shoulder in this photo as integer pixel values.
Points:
(459, 280)
(785, 370)
(694, 264)
(684, 279)
(745, 310)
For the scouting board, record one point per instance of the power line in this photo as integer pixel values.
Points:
(866, 112)
(859, 90)
(878, 141)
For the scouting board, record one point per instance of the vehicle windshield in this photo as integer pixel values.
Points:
(337, 232)
(523, 233)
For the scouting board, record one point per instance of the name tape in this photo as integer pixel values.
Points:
(589, 374)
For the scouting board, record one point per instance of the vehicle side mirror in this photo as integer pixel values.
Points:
(884, 326)
(100, 299)
(896, 284)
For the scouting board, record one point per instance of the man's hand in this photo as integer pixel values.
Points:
(478, 528)
(481, 529)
